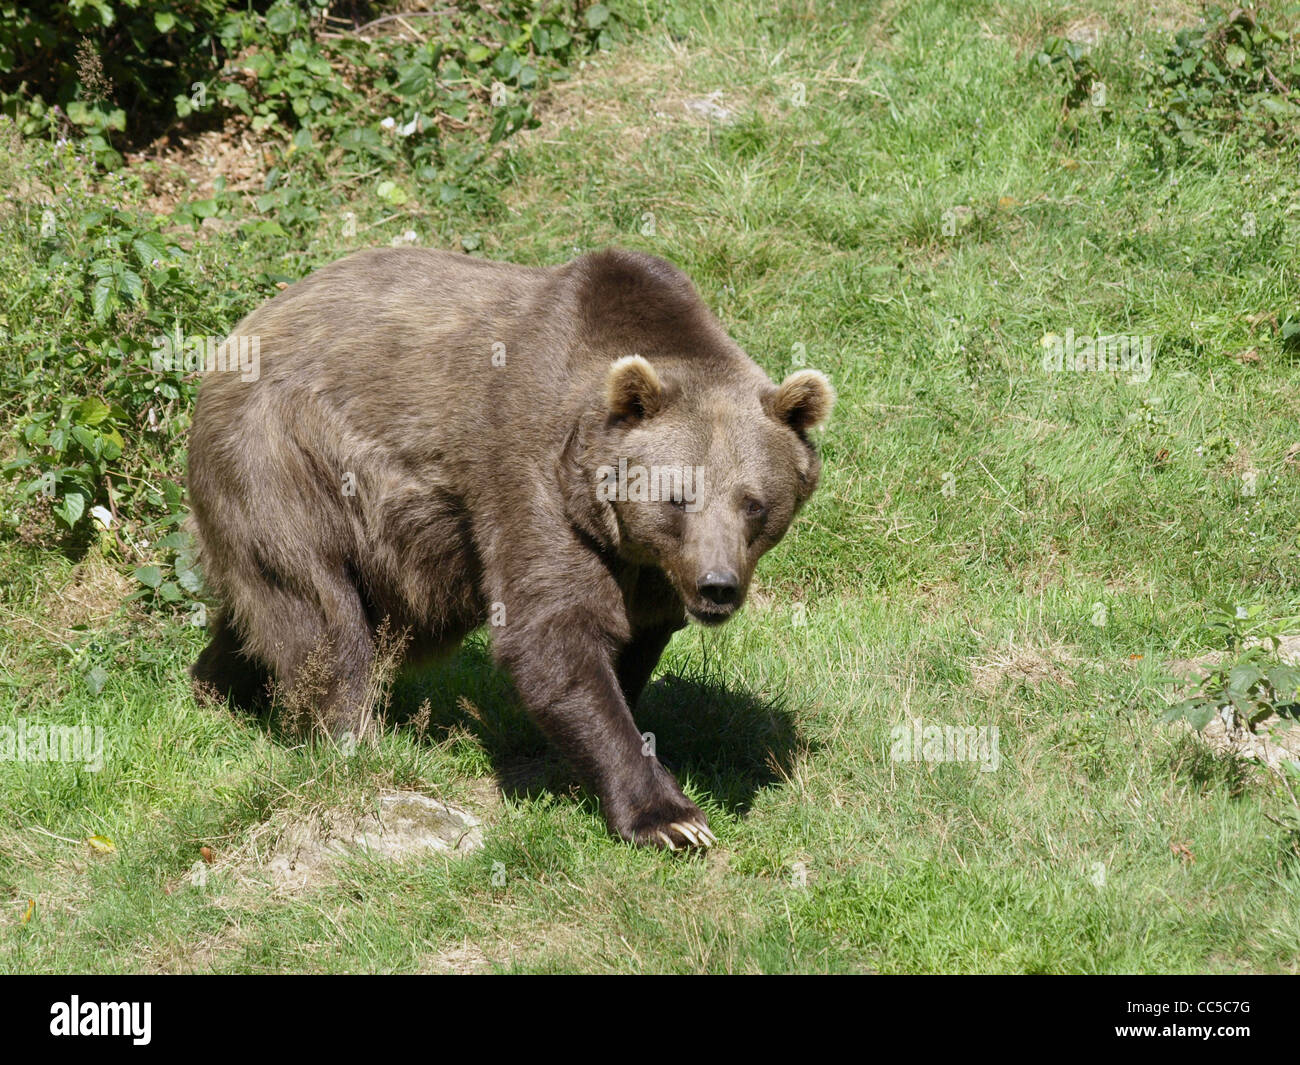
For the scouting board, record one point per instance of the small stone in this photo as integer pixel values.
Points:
(407, 825)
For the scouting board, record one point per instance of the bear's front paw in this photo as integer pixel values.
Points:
(668, 820)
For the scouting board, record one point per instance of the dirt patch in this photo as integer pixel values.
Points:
(406, 825)
(711, 108)
(1087, 30)
(181, 167)
(201, 956)
(1273, 742)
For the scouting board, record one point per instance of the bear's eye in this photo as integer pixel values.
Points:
(754, 509)
(678, 503)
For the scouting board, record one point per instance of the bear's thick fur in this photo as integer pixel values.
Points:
(578, 455)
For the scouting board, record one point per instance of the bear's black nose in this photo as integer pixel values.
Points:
(720, 587)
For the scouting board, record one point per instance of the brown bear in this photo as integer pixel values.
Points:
(579, 456)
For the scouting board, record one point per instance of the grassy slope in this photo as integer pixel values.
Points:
(818, 225)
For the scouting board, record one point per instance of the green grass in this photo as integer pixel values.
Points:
(816, 231)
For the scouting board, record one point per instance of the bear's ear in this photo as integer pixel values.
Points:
(633, 389)
(803, 400)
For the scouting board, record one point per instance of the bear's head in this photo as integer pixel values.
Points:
(697, 478)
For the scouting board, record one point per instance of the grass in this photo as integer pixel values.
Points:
(992, 545)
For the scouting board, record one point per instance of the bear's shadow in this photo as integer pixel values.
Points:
(727, 745)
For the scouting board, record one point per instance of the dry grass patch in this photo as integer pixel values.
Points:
(1022, 665)
(1027, 28)
(624, 94)
(93, 594)
(463, 960)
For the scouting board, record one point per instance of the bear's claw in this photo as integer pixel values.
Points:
(667, 819)
(683, 835)
(696, 833)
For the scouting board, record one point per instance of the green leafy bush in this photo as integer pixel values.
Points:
(1070, 62)
(1252, 684)
(62, 62)
(101, 68)
(97, 422)
(1237, 73)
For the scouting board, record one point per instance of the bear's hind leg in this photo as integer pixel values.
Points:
(223, 666)
(315, 637)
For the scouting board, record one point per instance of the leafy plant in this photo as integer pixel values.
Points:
(62, 62)
(171, 581)
(1254, 684)
(1289, 334)
(1069, 61)
(83, 67)
(1238, 72)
